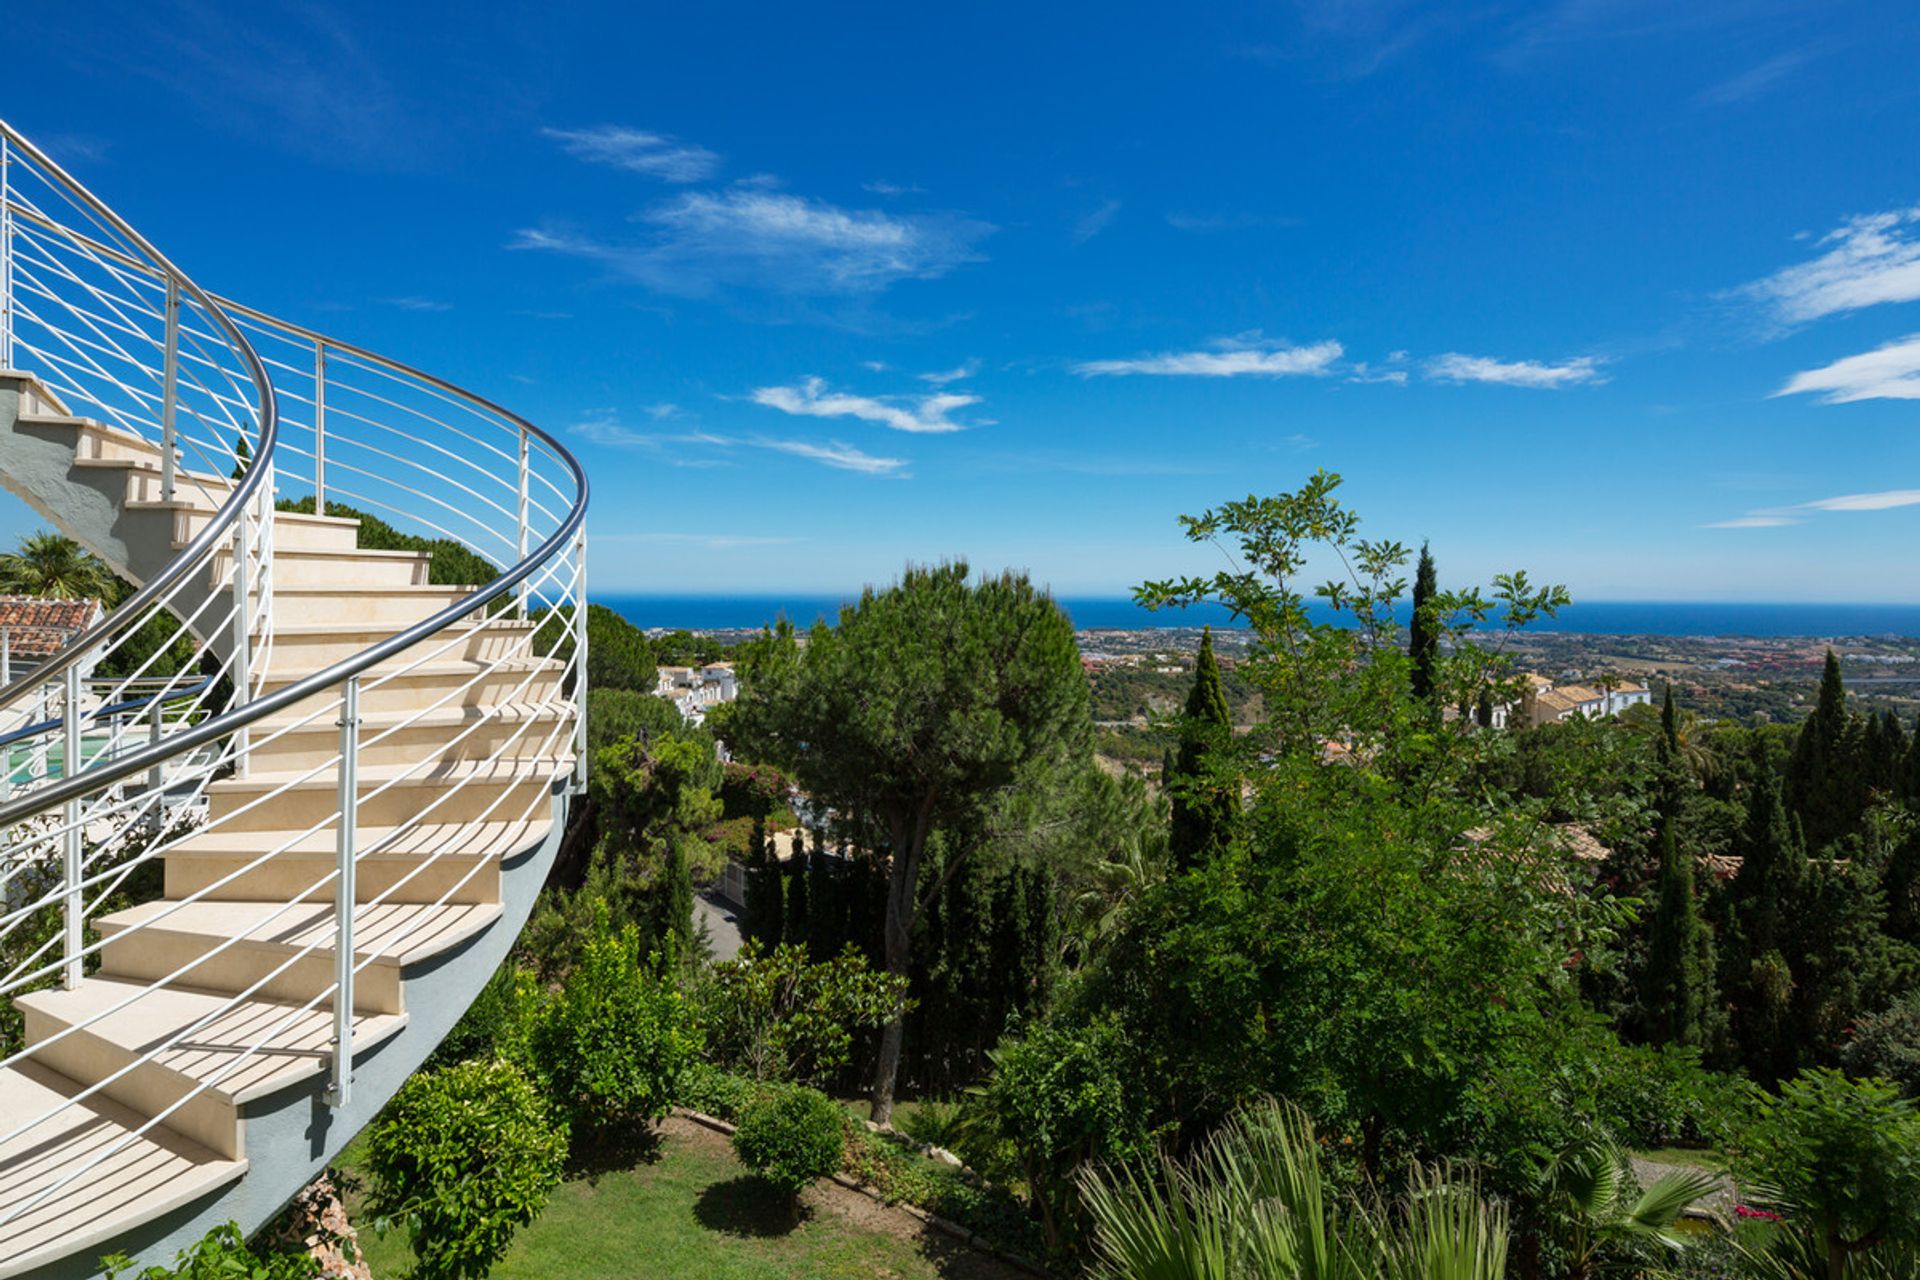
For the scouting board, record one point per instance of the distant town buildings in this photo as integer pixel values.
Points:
(696, 689)
(1544, 702)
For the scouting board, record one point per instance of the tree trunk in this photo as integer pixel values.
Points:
(909, 834)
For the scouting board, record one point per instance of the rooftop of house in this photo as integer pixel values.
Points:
(38, 628)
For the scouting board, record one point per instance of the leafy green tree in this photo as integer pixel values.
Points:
(611, 1045)
(1887, 1044)
(1059, 1099)
(1423, 634)
(928, 700)
(618, 654)
(462, 1158)
(1838, 1158)
(790, 1137)
(54, 567)
(1203, 808)
(773, 1016)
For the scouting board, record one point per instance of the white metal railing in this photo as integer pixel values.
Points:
(475, 712)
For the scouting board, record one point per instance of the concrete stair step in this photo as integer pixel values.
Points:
(391, 606)
(291, 529)
(462, 858)
(392, 936)
(301, 649)
(405, 735)
(148, 1176)
(244, 1049)
(457, 790)
(345, 571)
(390, 686)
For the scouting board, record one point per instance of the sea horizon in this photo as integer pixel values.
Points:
(1756, 619)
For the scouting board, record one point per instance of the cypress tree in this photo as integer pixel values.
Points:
(796, 928)
(1423, 636)
(826, 922)
(1763, 901)
(673, 902)
(1679, 974)
(1203, 811)
(766, 904)
(1825, 787)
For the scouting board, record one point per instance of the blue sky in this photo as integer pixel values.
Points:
(1625, 292)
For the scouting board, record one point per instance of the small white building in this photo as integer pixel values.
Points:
(696, 689)
(1544, 702)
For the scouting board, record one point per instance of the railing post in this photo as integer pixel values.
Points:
(241, 671)
(169, 390)
(340, 1088)
(319, 428)
(156, 776)
(524, 473)
(6, 256)
(75, 913)
(580, 661)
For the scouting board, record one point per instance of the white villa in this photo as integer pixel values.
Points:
(695, 689)
(1543, 702)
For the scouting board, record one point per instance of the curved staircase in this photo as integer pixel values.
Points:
(267, 829)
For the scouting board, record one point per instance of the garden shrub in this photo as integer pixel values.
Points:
(1887, 1044)
(222, 1254)
(612, 1045)
(790, 1137)
(462, 1158)
(708, 1089)
(497, 1023)
(771, 1015)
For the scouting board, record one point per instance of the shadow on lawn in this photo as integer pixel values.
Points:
(744, 1206)
(613, 1148)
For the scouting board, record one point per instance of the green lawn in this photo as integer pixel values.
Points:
(694, 1211)
(1697, 1157)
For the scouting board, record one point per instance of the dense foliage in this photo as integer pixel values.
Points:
(461, 1159)
(790, 1136)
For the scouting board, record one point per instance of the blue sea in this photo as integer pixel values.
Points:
(1597, 617)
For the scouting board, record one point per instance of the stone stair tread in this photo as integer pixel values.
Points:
(516, 712)
(407, 665)
(383, 630)
(395, 933)
(475, 840)
(149, 1176)
(295, 1043)
(512, 769)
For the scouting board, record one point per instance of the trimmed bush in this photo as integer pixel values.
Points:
(612, 1045)
(790, 1137)
(462, 1158)
(222, 1254)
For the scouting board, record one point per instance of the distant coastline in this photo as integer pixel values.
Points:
(1598, 617)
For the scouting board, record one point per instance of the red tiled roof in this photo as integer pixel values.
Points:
(38, 628)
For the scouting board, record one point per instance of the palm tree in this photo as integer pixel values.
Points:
(1592, 1187)
(1253, 1204)
(56, 568)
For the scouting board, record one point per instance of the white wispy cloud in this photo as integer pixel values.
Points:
(1886, 500)
(677, 448)
(1756, 80)
(1752, 522)
(1455, 367)
(1868, 259)
(1773, 517)
(418, 304)
(1095, 222)
(639, 151)
(1248, 355)
(753, 238)
(921, 415)
(881, 187)
(835, 454)
(941, 377)
(1891, 372)
(1236, 220)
